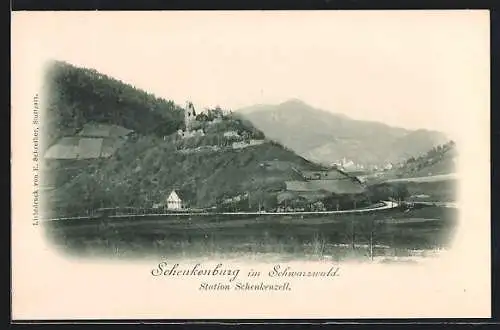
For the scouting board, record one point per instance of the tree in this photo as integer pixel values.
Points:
(202, 117)
(217, 112)
(401, 191)
(85, 94)
(270, 202)
(410, 160)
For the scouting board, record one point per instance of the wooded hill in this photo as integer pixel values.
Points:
(437, 163)
(74, 96)
(145, 169)
(438, 160)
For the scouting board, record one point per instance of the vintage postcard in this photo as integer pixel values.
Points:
(250, 165)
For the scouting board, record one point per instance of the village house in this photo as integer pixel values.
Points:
(231, 134)
(93, 141)
(331, 174)
(174, 202)
(333, 186)
(158, 206)
(179, 199)
(190, 134)
(388, 166)
(244, 144)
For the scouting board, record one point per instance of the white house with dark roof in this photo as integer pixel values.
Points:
(174, 202)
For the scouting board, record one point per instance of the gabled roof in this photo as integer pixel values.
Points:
(330, 174)
(89, 148)
(183, 194)
(79, 147)
(103, 130)
(343, 186)
(173, 194)
(109, 146)
(310, 196)
(66, 148)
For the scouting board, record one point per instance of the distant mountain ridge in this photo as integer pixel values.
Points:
(326, 137)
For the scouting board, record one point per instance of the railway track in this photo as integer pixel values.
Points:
(387, 205)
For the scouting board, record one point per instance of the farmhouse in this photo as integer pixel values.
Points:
(178, 199)
(191, 133)
(104, 130)
(174, 202)
(331, 174)
(340, 186)
(333, 187)
(244, 144)
(231, 134)
(95, 140)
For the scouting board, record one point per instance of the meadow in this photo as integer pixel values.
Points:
(389, 233)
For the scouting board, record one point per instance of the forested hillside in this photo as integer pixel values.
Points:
(429, 177)
(145, 172)
(74, 96)
(438, 160)
(221, 156)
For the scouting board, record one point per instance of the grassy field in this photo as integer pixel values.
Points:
(395, 232)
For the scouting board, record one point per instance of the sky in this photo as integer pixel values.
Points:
(412, 69)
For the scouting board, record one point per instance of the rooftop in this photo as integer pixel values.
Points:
(343, 186)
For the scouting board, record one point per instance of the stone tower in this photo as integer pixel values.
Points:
(189, 115)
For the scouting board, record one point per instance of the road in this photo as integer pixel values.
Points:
(387, 205)
(442, 204)
(430, 178)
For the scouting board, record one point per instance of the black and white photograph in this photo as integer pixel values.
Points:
(127, 173)
(328, 138)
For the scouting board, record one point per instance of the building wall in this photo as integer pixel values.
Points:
(241, 145)
(174, 204)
